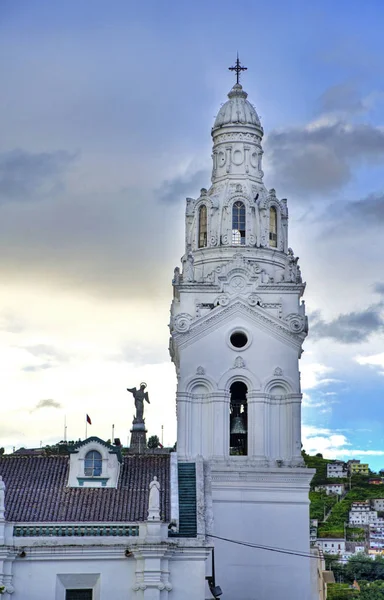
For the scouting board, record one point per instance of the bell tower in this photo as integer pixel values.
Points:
(237, 329)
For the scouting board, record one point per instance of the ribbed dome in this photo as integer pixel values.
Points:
(237, 110)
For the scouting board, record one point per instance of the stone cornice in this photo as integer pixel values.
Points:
(201, 326)
(249, 476)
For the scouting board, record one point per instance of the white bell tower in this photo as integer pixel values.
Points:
(237, 329)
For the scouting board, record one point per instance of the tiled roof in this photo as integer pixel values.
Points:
(36, 490)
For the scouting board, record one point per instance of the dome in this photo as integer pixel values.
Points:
(237, 110)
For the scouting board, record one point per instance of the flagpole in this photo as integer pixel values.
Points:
(86, 426)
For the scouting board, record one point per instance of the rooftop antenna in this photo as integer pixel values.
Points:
(238, 68)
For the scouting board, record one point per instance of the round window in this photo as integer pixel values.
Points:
(238, 339)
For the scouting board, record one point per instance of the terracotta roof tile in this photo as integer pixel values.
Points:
(36, 490)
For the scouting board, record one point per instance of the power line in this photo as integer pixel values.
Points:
(280, 550)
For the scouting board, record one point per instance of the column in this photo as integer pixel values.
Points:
(256, 425)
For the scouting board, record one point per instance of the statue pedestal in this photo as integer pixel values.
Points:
(138, 443)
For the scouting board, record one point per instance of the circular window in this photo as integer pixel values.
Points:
(238, 339)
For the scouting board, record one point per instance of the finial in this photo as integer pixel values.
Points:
(238, 68)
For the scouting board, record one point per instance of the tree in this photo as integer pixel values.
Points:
(2, 451)
(153, 442)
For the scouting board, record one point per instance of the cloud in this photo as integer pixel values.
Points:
(47, 403)
(314, 375)
(347, 452)
(323, 440)
(342, 98)
(371, 207)
(47, 352)
(36, 368)
(319, 156)
(112, 244)
(178, 188)
(351, 328)
(375, 360)
(11, 322)
(379, 288)
(25, 176)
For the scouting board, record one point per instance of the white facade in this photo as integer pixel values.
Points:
(331, 545)
(378, 504)
(120, 560)
(337, 469)
(153, 568)
(331, 488)
(362, 507)
(363, 517)
(237, 328)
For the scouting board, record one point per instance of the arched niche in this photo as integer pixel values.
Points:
(238, 419)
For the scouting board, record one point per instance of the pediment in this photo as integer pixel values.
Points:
(255, 315)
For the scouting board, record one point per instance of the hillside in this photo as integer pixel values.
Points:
(331, 511)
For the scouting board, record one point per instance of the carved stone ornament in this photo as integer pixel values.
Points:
(239, 363)
(213, 240)
(296, 323)
(200, 371)
(223, 300)
(182, 322)
(237, 283)
(254, 300)
(278, 372)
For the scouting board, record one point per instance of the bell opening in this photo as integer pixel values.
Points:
(238, 420)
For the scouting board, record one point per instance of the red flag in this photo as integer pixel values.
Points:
(89, 420)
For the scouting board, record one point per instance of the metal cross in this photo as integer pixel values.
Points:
(238, 68)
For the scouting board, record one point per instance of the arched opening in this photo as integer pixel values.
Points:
(273, 227)
(238, 224)
(238, 420)
(93, 464)
(202, 226)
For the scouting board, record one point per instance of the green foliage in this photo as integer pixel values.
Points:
(355, 534)
(320, 502)
(372, 591)
(341, 591)
(320, 464)
(2, 450)
(334, 526)
(153, 442)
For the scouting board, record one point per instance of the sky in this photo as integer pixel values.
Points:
(105, 117)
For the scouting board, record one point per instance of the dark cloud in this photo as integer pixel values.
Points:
(48, 403)
(112, 244)
(343, 98)
(177, 189)
(351, 328)
(25, 176)
(371, 207)
(379, 288)
(318, 158)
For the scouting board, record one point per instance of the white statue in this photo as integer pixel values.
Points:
(2, 498)
(154, 495)
(189, 271)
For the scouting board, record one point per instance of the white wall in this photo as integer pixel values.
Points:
(38, 579)
(270, 512)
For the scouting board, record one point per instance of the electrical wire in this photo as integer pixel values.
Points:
(279, 550)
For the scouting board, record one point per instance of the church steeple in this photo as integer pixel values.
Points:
(237, 329)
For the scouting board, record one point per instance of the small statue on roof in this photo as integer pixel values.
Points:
(154, 500)
(2, 498)
(139, 396)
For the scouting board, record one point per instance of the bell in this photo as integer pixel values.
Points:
(237, 425)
